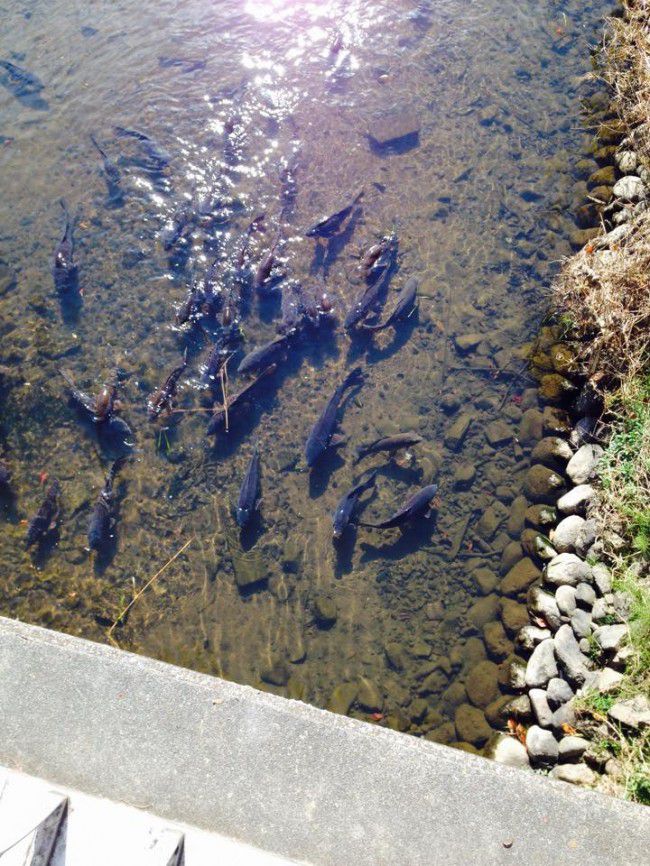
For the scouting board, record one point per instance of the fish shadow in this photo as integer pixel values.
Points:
(42, 550)
(402, 332)
(344, 550)
(337, 244)
(412, 538)
(321, 472)
(250, 534)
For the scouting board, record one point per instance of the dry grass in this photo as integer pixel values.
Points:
(605, 295)
(626, 68)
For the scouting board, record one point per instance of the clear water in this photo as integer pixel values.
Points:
(235, 91)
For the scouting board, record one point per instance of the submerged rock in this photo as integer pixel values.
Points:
(399, 128)
(457, 432)
(481, 684)
(542, 484)
(552, 451)
(342, 698)
(471, 725)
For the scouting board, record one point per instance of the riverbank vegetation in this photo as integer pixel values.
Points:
(603, 294)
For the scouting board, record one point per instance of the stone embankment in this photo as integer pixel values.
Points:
(576, 642)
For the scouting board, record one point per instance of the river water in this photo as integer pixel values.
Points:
(266, 108)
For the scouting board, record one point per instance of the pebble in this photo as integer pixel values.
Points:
(541, 708)
(543, 604)
(575, 774)
(324, 612)
(550, 450)
(565, 597)
(535, 544)
(481, 684)
(581, 623)
(572, 748)
(542, 746)
(626, 160)
(586, 537)
(498, 433)
(610, 637)
(467, 342)
(464, 475)
(530, 635)
(471, 726)
(565, 535)
(585, 595)
(519, 708)
(608, 680)
(582, 466)
(629, 188)
(567, 568)
(572, 660)
(600, 610)
(520, 577)
(577, 499)
(558, 692)
(457, 432)
(541, 516)
(511, 752)
(541, 665)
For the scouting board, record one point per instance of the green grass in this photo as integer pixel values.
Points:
(624, 507)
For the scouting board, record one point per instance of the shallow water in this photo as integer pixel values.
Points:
(236, 92)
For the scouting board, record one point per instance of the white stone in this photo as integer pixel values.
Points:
(542, 746)
(541, 710)
(576, 500)
(576, 774)
(511, 752)
(530, 635)
(541, 665)
(565, 534)
(567, 569)
(581, 623)
(626, 161)
(565, 596)
(610, 637)
(572, 660)
(608, 680)
(572, 748)
(629, 188)
(582, 466)
(558, 692)
(634, 712)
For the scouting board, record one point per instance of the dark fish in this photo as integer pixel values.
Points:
(331, 225)
(415, 506)
(370, 257)
(192, 307)
(5, 474)
(100, 408)
(218, 419)
(265, 267)
(348, 503)
(81, 398)
(590, 401)
(176, 228)
(248, 492)
(320, 435)
(262, 357)
(111, 171)
(364, 304)
(20, 81)
(227, 340)
(181, 63)
(384, 261)
(46, 516)
(159, 157)
(403, 308)
(584, 432)
(163, 398)
(64, 269)
(388, 443)
(101, 519)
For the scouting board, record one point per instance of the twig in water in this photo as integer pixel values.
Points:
(148, 584)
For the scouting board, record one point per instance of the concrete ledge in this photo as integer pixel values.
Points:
(282, 775)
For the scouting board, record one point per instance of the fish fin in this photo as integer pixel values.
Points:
(337, 440)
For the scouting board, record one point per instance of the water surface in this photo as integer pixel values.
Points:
(236, 92)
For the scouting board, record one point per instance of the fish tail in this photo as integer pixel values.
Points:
(96, 143)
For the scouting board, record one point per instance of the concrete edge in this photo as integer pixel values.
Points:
(279, 774)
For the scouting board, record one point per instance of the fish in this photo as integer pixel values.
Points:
(248, 491)
(388, 443)
(177, 228)
(320, 435)
(218, 419)
(101, 519)
(227, 340)
(415, 506)
(370, 257)
(5, 474)
(100, 408)
(297, 307)
(64, 269)
(263, 356)
(265, 267)
(379, 266)
(20, 81)
(184, 64)
(364, 304)
(192, 307)
(111, 171)
(328, 226)
(403, 308)
(347, 504)
(46, 517)
(159, 157)
(163, 398)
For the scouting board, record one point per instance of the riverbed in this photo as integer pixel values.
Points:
(461, 125)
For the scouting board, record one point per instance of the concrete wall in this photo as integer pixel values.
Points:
(282, 775)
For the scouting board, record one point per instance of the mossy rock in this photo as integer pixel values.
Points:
(481, 684)
(342, 698)
(483, 610)
(471, 725)
(513, 615)
(605, 176)
(556, 388)
(395, 655)
(520, 577)
(498, 645)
